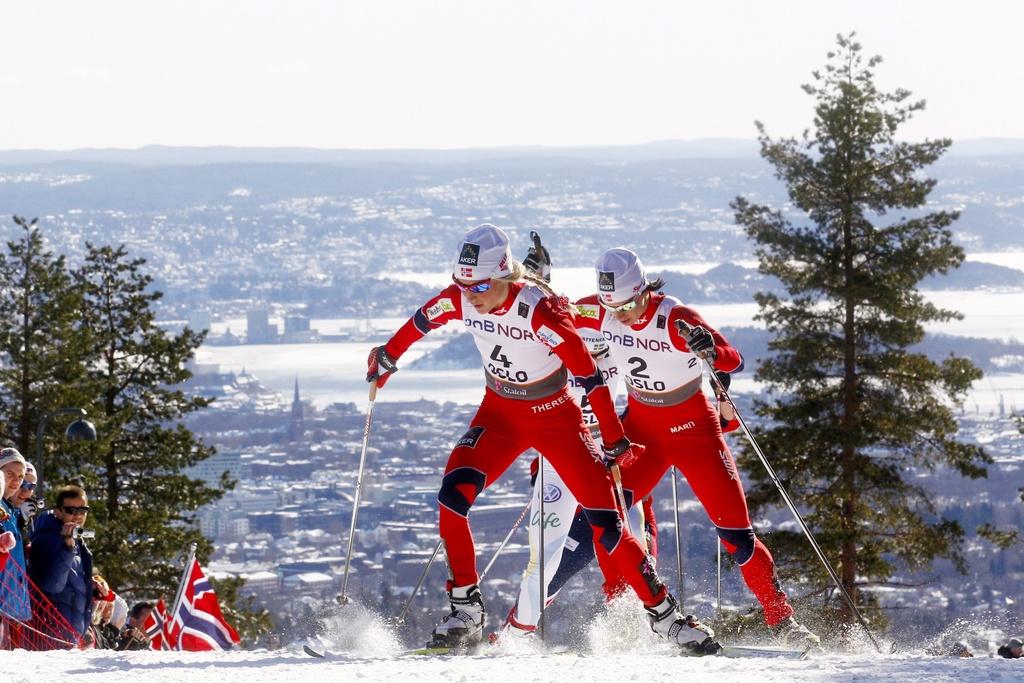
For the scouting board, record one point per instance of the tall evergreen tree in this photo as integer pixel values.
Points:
(143, 502)
(40, 355)
(855, 418)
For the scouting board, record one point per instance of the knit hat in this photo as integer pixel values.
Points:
(120, 613)
(483, 254)
(620, 276)
(9, 455)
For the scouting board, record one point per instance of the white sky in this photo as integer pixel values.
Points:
(476, 73)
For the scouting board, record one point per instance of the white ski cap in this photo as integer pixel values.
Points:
(483, 253)
(620, 275)
(9, 455)
(119, 615)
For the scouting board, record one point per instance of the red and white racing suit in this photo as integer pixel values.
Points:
(526, 345)
(672, 416)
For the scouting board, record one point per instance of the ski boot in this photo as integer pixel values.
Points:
(688, 633)
(512, 631)
(791, 633)
(463, 627)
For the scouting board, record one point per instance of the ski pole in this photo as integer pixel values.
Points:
(343, 597)
(541, 521)
(423, 576)
(508, 537)
(684, 329)
(433, 556)
(620, 495)
(679, 545)
(718, 578)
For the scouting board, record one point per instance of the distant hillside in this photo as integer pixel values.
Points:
(990, 355)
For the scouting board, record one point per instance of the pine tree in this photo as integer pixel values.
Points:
(854, 416)
(143, 503)
(41, 354)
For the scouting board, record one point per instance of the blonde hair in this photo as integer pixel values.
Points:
(519, 273)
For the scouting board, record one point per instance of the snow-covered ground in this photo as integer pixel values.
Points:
(619, 647)
(287, 666)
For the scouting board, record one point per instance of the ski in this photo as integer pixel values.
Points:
(441, 650)
(731, 651)
(740, 651)
(315, 653)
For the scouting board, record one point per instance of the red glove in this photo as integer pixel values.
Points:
(622, 453)
(380, 366)
(7, 542)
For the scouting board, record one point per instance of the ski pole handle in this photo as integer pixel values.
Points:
(373, 390)
(684, 330)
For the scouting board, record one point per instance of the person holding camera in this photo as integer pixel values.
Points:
(133, 635)
(61, 562)
(25, 504)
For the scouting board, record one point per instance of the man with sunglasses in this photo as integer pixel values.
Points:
(669, 412)
(527, 342)
(61, 563)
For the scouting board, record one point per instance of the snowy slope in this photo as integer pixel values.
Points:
(282, 666)
(361, 647)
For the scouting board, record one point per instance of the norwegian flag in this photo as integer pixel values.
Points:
(465, 272)
(155, 627)
(198, 624)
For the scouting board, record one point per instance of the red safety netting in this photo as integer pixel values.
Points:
(28, 620)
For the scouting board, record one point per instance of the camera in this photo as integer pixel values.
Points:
(78, 532)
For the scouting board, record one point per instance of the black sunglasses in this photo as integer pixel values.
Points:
(71, 510)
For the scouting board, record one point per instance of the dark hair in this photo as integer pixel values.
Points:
(655, 285)
(138, 607)
(69, 491)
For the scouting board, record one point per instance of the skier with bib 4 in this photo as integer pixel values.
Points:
(669, 413)
(528, 344)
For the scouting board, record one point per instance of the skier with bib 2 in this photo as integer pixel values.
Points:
(669, 413)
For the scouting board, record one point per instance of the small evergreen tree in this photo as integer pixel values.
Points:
(144, 504)
(855, 417)
(40, 355)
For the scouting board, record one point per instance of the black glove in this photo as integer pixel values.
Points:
(380, 366)
(724, 378)
(622, 453)
(701, 342)
(538, 260)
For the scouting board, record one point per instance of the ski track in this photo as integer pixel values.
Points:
(292, 665)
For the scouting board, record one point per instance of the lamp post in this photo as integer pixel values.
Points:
(79, 430)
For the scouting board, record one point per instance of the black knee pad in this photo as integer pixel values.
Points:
(609, 525)
(742, 540)
(459, 489)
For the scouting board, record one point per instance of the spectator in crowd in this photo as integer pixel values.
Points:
(14, 595)
(108, 620)
(61, 561)
(1012, 650)
(134, 637)
(26, 505)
